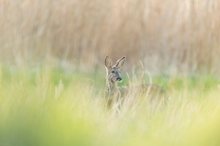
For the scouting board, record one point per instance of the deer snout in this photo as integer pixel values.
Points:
(119, 79)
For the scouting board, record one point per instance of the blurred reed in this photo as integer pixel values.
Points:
(169, 36)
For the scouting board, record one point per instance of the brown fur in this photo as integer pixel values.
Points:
(116, 95)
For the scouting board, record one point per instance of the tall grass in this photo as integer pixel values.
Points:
(48, 107)
(169, 36)
(47, 100)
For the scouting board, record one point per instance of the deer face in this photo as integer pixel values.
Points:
(113, 71)
(114, 74)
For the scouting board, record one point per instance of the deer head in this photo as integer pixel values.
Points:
(113, 73)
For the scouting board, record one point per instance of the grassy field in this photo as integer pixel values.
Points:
(52, 78)
(50, 107)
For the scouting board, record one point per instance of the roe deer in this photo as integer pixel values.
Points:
(116, 95)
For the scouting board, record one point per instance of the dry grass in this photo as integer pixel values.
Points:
(48, 105)
(170, 35)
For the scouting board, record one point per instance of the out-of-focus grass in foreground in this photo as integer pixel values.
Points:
(48, 107)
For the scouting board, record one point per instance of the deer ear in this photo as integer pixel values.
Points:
(120, 62)
(108, 62)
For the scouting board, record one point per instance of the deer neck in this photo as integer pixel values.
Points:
(112, 88)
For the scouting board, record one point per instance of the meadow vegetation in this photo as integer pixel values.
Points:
(52, 78)
(51, 107)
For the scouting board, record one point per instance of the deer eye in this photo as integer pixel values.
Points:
(113, 71)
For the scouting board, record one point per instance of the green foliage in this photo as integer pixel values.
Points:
(50, 107)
